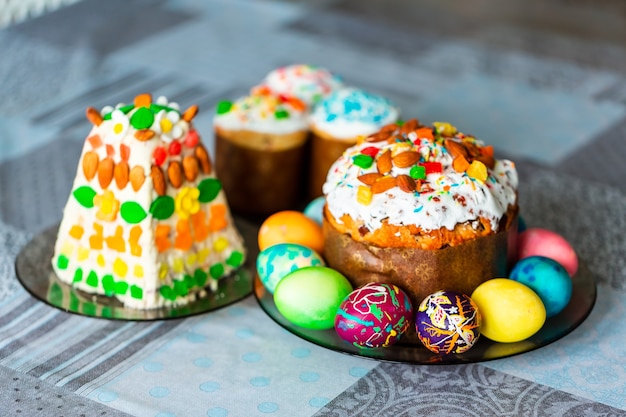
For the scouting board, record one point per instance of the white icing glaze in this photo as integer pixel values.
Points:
(442, 207)
(263, 113)
(306, 82)
(350, 112)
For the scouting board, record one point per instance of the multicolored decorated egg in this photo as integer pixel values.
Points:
(510, 310)
(309, 297)
(542, 242)
(548, 279)
(374, 315)
(290, 226)
(448, 322)
(278, 260)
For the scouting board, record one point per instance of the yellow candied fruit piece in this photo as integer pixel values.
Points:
(83, 253)
(138, 271)
(401, 147)
(120, 268)
(67, 248)
(203, 254)
(100, 260)
(191, 260)
(178, 266)
(163, 270)
(77, 231)
(364, 195)
(220, 244)
(445, 128)
(477, 170)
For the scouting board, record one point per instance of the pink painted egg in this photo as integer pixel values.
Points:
(542, 242)
(374, 315)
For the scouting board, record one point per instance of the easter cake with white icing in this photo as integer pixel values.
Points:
(421, 207)
(338, 121)
(147, 220)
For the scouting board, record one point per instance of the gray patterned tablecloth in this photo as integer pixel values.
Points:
(545, 82)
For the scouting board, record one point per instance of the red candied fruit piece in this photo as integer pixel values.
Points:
(432, 167)
(175, 148)
(159, 156)
(192, 139)
(370, 151)
(110, 150)
(124, 152)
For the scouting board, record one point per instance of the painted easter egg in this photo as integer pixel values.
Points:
(374, 315)
(510, 310)
(542, 242)
(291, 226)
(548, 279)
(275, 262)
(309, 297)
(315, 209)
(448, 322)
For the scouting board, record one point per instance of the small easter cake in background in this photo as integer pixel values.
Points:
(147, 221)
(421, 207)
(260, 143)
(308, 83)
(337, 122)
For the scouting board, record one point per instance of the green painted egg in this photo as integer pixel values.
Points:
(309, 297)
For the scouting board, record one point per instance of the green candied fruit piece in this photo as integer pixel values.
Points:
(108, 283)
(209, 189)
(136, 292)
(235, 259)
(78, 275)
(167, 292)
(200, 277)
(281, 114)
(92, 279)
(84, 195)
(62, 262)
(162, 207)
(363, 161)
(190, 281)
(216, 271)
(120, 287)
(418, 172)
(132, 212)
(224, 107)
(74, 302)
(142, 118)
(180, 288)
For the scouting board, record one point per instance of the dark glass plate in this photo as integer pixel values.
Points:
(34, 271)
(410, 350)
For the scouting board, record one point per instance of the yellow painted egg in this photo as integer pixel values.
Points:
(291, 226)
(511, 311)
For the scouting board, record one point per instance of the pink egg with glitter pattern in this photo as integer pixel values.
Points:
(374, 315)
(542, 242)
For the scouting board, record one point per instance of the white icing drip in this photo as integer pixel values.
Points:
(489, 199)
(349, 112)
(308, 83)
(257, 113)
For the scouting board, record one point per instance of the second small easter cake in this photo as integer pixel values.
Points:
(336, 124)
(421, 207)
(260, 151)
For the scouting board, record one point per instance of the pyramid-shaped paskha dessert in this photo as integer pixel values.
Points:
(147, 220)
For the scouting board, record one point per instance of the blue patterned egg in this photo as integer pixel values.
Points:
(448, 322)
(315, 209)
(548, 278)
(276, 261)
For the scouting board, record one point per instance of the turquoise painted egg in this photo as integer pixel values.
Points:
(315, 209)
(309, 297)
(276, 261)
(548, 279)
